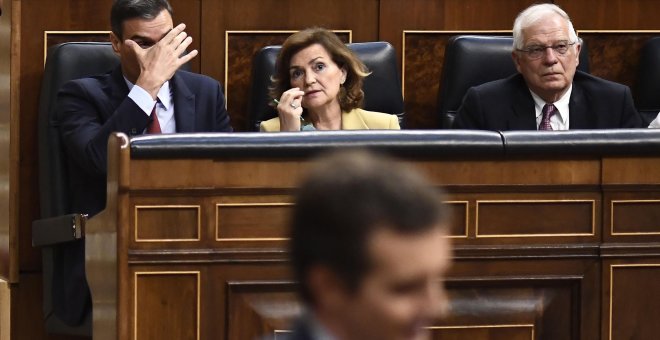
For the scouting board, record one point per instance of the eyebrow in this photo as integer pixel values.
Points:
(537, 43)
(141, 37)
(309, 63)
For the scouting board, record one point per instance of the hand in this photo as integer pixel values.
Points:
(159, 62)
(289, 109)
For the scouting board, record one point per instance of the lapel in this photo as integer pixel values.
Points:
(522, 106)
(184, 104)
(116, 89)
(577, 109)
(352, 120)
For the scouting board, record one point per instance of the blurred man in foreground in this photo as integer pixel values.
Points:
(369, 249)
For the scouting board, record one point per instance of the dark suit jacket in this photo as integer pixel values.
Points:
(88, 111)
(507, 104)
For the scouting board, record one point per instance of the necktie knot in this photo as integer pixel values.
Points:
(548, 111)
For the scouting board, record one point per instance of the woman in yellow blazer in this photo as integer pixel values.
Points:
(318, 86)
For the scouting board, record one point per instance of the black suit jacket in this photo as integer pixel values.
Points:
(507, 104)
(88, 111)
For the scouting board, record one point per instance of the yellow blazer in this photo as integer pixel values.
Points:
(356, 119)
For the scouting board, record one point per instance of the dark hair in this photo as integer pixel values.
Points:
(351, 94)
(346, 198)
(123, 10)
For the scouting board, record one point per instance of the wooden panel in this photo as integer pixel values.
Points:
(167, 223)
(397, 16)
(252, 221)
(491, 332)
(458, 223)
(167, 305)
(233, 173)
(8, 168)
(268, 307)
(241, 47)
(536, 218)
(620, 46)
(611, 14)
(525, 302)
(635, 217)
(627, 170)
(189, 12)
(514, 306)
(423, 54)
(634, 295)
(258, 15)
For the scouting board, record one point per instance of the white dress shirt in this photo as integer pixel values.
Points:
(164, 104)
(655, 124)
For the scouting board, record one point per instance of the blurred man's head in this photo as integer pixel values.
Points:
(369, 247)
(546, 50)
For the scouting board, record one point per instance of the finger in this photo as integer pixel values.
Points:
(180, 39)
(183, 46)
(291, 93)
(188, 57)
(173, 33)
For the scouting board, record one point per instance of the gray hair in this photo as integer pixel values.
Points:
(534, 13)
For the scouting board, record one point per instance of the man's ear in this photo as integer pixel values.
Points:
(516, 60)
(328, 291)
(116, 43)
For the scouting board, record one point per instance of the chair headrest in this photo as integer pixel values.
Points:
(64, 62)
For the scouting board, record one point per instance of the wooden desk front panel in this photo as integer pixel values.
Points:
(206, 254)
(245, 298)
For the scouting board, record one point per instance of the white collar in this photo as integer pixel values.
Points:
(561, 105)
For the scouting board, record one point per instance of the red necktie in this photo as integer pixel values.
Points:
(154, 125)
(548, 111)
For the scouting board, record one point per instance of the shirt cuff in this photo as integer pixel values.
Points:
(655, 124)
(143, 99)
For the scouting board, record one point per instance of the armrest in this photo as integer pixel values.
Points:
(60, 229)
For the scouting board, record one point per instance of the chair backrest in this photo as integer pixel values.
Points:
(65, 62)
(382, 88)
(471, 60)
(647, 86)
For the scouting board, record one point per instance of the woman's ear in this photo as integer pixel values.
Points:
(343, 75)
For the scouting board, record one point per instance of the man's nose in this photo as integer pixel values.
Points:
(550, 55)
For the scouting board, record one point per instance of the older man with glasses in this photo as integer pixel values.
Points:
(547, 93)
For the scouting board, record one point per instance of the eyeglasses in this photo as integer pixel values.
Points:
(537, 51)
